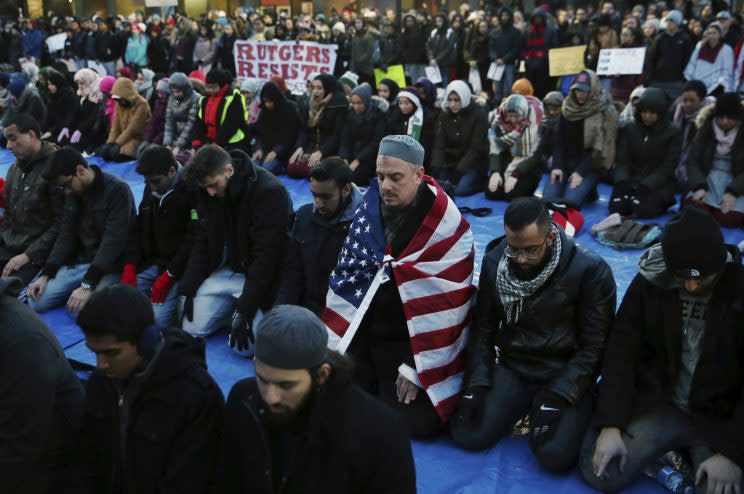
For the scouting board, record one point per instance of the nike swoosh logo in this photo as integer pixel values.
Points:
(547, 409)
(468, 397)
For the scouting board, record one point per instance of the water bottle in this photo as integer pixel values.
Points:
(670, 478)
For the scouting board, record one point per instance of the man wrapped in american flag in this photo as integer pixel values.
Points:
(399, 300)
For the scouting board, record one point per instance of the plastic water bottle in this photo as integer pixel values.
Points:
(671, 479)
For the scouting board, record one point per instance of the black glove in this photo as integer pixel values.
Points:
(114, 151)
(241, 333)
(188, 309)
(546, 412)
(470, 408)
(103, 150)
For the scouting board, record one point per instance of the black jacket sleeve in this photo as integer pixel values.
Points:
(64, 245)
(696, 178)
(594, 317)
(197, 267)
(293, 276)
(234, 120)
(329, 144)
(475, 154)
(664, 171)
(480, 356)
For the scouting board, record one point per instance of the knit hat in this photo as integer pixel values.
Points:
(219, 76)
(461, 89)
(402, 147)
(340, 27)
(350, 79)
(252, 85)
(291, 337)
(693, 244)
(583, 82)
(523, 86)
(16, 87)
(198, 74)
(675, 16)
(553, 98)
(724, 14)
(728, 105)
(716, 26)
(364, 91)
(107, 84)
(163, 86)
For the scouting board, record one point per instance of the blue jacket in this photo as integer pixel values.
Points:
(32, 43)
(137, 50)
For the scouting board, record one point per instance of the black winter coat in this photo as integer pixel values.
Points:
(326, 135)
(158, 54)
(252, 220)
(169, 417)
(107, 47)
(390, 50)
(670, 57)
(95, 229)
(700, 159)
(313, 253)
(234, 120)
(505, 42)
(562, 328)
(461, 140)
(354, 444)
(92, 122)
(648, 156)
(413, 45)
(643, 359)
(361, 135)
(276, 130)
(61, 111)
(164, 228)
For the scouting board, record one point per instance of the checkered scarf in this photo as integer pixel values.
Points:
(513, 291)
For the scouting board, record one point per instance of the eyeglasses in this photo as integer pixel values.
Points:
(529, 253)
(66, 185)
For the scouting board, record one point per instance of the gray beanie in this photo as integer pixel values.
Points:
(291, 337)
(402, 147)
(675, 16)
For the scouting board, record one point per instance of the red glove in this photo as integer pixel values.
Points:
(161, 287)
(129, 276)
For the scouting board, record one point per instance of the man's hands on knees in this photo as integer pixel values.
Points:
(724, 476)
(241, 333)
(78, 299)
(547, 408)
(15, 264)
(610, 445)
(37, 288)
(405, 390)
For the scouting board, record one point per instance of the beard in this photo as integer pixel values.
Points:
(289, 416)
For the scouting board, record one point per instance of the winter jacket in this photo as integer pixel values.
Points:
(461, 140)
(94, 229)
(91, 121)
(158, 54)
(61, 110)
(670, 57)
(30, 103)
(180, 117)
(313, 253)
(562, 328)
(718, 73)
(361, 134)
(352, 443)
(156, 126)
(33, 44)
(205, 51)
(31, 207)
(230, 120)
(225, 53)
(702, 151)
(276, 130)
(326, 135)
(107, 47)
(136, 51)
(505, 42)
(160, 431)
(363, 47)
(440, 46)
(90, 45)
(42, 400)
(130, 123)
(648, 156)
(643, 356)
(413, 41)
(249, 225)
(164, 228)
(390, 50)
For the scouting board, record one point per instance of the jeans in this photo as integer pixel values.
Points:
(66, 281)
(467, 184)
(81, 63)
(166, 314)
(526, 186)
(110, 67)
(415, 71)
(561, 192)
(215, 302)
(647, 438)
(277, 167)
(507, 401)
(502, 88)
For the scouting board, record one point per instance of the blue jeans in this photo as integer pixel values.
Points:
(66, 281)
(166, 314)
(215, 303)
(561, 192)
(110, 67)
(277, 167)
(466, 184)
(502, 88)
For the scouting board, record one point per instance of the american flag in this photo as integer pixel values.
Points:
(434, 275)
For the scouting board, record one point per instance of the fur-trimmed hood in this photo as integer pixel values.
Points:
(704, 113)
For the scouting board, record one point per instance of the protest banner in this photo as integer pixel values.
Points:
(395, 73)
(621, 61)
(56, 42)
(566, 61)
(433, 74)
(294, 61)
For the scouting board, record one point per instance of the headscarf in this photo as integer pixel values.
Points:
(415, 121)
(523, 86)
(91, 85)
(522, 138)
(330, 86)
(144, 87)
(628, 114)
(279, 82)
(393, 86)
(553, 98)
(462, 90)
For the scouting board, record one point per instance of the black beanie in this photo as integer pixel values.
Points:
(219, 76)
(63, 162)
(729, 105)
(693, 244)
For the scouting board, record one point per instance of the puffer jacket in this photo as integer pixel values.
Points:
(181, 114)
(648, 156)
(130, 123)
(562, 328)
(30, 223)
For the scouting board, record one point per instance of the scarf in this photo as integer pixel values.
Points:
(709, 53)
(316, 109)
(211, 119)
(522, 138)
(724, 140)
(600, 122)
(513, 291)
(535, 43)
(684, 117)
(415, 121)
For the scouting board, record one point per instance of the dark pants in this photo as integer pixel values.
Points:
(732, 219)
(647, 438)
(508, 400)
(465, 184)
(641, 202)
(525, 187)
(364, 172)
(376, 370)
(26, 273)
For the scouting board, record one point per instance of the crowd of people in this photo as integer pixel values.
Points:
(360, 309)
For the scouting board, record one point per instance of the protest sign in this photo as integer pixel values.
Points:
(566, 61)
(433, 74)
(294, 61)
(496, 71)
(56, 42)
(395, 73)
(621, 61)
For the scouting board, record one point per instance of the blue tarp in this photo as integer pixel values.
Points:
(506, 468)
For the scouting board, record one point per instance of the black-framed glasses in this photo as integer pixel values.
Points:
(529, 253)
(66, 185)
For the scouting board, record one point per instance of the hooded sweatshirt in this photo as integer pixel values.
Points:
(181, 113)
(277, 129)
(505, 41)
(130, 118)
(441, 45)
